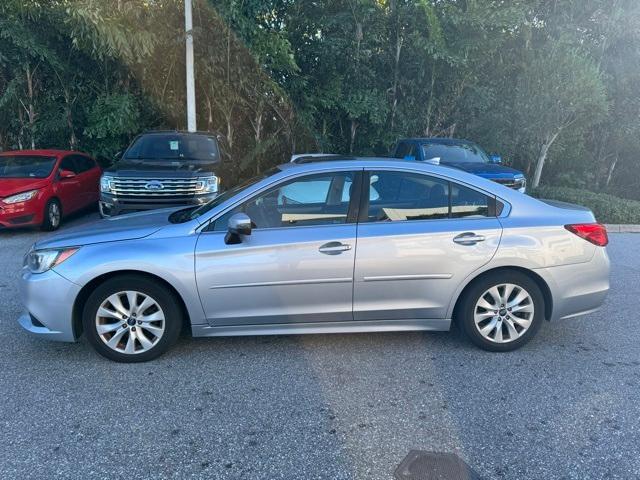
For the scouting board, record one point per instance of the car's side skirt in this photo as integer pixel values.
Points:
(437, 325)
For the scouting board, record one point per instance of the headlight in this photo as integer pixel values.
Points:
(523, 185)
(39, 261)
(208, 184)
(21, 197)
(105, 183)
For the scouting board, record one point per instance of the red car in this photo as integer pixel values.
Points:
(39, 187)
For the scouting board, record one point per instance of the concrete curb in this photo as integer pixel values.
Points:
(623, 228)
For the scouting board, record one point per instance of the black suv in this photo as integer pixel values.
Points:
(162, 169)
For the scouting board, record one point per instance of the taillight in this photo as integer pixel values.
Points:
(591, 232)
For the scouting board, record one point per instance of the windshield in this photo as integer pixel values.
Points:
(174, 147)
(26, 166)
(460, 153)
(191, 214)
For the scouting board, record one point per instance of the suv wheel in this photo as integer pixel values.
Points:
(502, 311)
(132, 319)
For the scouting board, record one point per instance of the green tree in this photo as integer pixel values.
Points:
(559, 89)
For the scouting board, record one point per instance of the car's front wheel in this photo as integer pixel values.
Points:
(502, 311)
(52, 215)
(132, 318)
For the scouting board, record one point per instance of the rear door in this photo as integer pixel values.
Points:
(297, 264)
(89, 178)
(419, 237)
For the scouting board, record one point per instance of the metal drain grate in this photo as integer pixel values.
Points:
(419, 465)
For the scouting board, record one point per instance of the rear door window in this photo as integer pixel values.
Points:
(408, 151)
(83, 163)
(466, 202)
(69, 163)
(405, 196)
(403, 149)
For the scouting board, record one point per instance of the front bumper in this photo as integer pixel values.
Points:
(20, 214)
(111, 205)
(519, 183)
(49, 299)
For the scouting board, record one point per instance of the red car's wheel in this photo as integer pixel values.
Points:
(52, 215)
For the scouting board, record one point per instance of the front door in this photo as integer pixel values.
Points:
(88, 179)
(297, 264)
(69, 190)
(419, 237)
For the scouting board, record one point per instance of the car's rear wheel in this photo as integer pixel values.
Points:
(52, 215)
(502, 311)
(132, 318)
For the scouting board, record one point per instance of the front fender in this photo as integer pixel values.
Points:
(169, 258)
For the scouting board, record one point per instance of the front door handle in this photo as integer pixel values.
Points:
(468, 238)
(334, 248)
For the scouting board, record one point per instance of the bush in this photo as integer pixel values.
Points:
(606, 208)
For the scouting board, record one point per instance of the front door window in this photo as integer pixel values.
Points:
(314, 200)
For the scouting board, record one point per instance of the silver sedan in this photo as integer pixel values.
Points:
(363, 245)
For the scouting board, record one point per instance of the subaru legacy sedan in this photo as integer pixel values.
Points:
(362, 245)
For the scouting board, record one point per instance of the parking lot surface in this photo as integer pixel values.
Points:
(567, 406)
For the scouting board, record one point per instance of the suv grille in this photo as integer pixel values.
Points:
(150, 187)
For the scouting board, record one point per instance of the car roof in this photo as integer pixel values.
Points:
(319, 157)
(42, 152)
(454, 174)
(339, 161)
(179, 132)
(322, 164)
(438, 141)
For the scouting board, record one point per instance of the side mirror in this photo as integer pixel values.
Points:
(410, 158)
(239, 224)
(495, 158)
(66, 174)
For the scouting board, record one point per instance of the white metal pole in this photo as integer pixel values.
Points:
(191, 86)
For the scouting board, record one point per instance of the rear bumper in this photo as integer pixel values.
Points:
(48, 299)
(110, 205)
(578, 289)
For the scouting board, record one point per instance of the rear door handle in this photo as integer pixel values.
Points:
(334, 248)
(468, 238)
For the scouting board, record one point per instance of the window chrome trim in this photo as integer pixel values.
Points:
(424, 220)
(353, 224)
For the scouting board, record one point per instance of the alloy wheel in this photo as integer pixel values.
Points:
(130, 322)
(503, 313)
(54, 215)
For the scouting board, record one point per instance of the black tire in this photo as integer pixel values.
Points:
(466, 311)
(49, 224)
(163, 297)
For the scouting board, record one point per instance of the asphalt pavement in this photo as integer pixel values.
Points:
(566, 406)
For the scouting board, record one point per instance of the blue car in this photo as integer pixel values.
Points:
(463, 155)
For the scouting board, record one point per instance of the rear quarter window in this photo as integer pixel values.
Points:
(469, 203)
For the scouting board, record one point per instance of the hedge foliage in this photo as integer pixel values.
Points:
(607, 208)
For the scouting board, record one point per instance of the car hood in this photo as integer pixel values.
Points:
(125, 227)
(11, 186)
(487, 170)
(149, 168)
